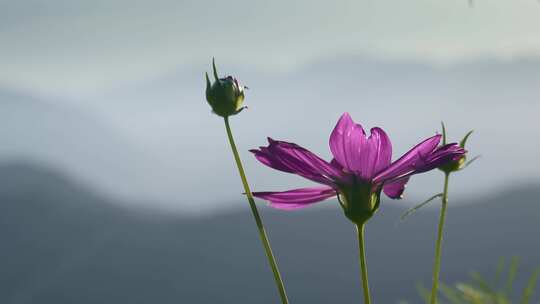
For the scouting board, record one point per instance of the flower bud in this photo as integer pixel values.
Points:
(225, 95)
(455, 164)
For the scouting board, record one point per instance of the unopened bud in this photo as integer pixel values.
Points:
(225, 95)
(455, 164)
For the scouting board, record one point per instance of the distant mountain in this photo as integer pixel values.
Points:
(63, 243)
(76, 139)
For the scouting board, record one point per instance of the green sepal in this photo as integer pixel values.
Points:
(216, 77)
(470, 162)
(208, 86)
(208, 83)
(464, 140)
(359, 202)
(443, 133)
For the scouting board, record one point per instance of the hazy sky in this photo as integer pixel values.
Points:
(124, 87)
(66, 47)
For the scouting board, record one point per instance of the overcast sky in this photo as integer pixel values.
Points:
(66, 47)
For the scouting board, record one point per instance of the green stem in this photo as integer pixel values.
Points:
(258, 221)
(363, 264)
(438, 245)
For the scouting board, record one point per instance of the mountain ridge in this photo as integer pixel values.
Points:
(92, 251)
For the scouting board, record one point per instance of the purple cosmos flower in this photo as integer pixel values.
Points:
(360, 170)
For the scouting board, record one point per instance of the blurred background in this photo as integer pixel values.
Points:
(117, 183)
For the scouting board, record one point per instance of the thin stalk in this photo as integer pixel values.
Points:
(258, 220)
(438, 245)
(363, 264)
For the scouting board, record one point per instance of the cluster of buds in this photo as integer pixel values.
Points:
(225, 95)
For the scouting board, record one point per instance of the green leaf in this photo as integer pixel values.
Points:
(500, 270)
(471, 294)
(415, 208)
(531, 286)
(512, 271)
(484, 286)
(424, 292)
(482, 283)
(451, 294)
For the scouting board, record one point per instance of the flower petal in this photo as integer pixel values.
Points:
(291, 158)
(443, 154)
(346, 142)
(336, 164)
(297, 198)
(395, 189)
(264, 156)
(409, 161)
(438, 157)
(376, 155)
(424, 157)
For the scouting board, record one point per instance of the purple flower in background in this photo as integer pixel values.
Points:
(360, 170)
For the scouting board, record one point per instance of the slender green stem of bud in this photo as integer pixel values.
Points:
(438, 245)
(363, 264)
(258, 220)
